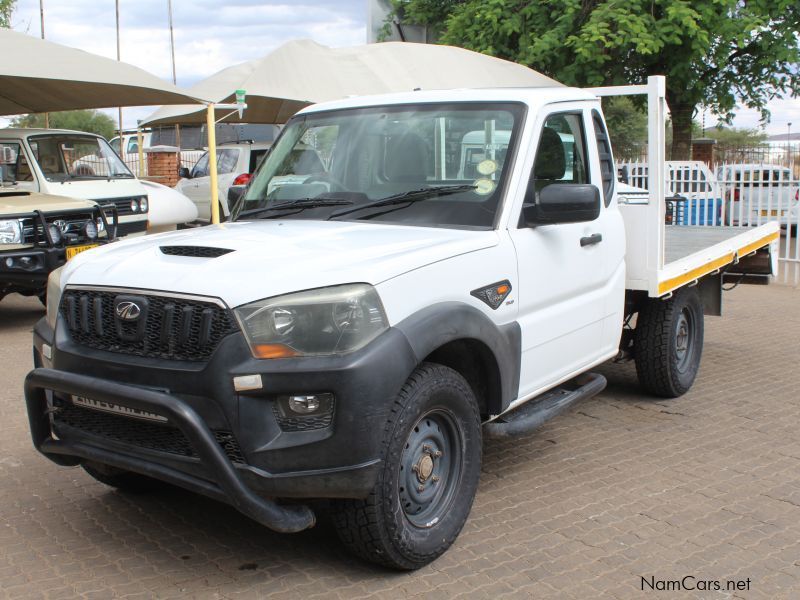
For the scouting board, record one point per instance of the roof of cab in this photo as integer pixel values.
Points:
(529, 96)
(27, 132)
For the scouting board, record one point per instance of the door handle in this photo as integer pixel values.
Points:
(595, 238)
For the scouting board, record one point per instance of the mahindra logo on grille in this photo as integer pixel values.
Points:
(128, 311)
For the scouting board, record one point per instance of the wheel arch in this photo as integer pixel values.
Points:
(463, 338)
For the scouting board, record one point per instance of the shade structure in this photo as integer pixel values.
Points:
(303, 72)
(41, 76)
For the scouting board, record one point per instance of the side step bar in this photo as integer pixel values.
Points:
(537, 411)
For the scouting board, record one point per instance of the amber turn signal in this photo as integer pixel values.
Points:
(273, 351)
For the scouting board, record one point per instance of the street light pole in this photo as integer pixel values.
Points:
(121, 150)
(41, 21)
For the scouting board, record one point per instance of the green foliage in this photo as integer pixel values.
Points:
(735, 138)
(6, 8)
(627, 127)
(714, 52)
(92, 121)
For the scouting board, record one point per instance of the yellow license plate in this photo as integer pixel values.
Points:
(75, 250)
(771, 213)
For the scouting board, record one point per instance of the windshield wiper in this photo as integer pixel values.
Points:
(409, 196)
(299, 204)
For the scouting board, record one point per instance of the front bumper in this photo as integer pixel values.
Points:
(26, 270)
(341, 460)
(226, 485)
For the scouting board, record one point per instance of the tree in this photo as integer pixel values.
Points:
(92, 121)
(6, 8)
(714, 52)
(627, 127)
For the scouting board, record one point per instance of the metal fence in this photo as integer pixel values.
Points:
(732, 195)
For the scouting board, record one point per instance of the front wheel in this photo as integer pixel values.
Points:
(431, 465)
(668, 343)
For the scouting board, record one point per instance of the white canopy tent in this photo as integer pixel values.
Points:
(303, 72)
(41, 76)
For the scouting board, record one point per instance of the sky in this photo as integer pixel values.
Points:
(213, 34)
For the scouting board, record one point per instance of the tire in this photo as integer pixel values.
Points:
(124, 481)
(668, 343)
(431, 451)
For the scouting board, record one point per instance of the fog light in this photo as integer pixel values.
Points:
(308, 404)
(304, 412)
(55, 234)
(304, 405)
(90, 230)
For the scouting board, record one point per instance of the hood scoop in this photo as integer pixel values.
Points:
(195, 251)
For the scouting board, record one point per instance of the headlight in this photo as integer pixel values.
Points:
(10, 232)
(134, 205)
(332, 320)
(143, 204)
(53, 296)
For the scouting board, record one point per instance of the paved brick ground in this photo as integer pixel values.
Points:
(621, 487)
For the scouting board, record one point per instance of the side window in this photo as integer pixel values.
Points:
(13, 166)
(560, 154)
(226, 160)
(606, 157)
(201, 168)
(133, 146)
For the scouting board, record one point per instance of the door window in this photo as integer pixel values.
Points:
(606, 157)
(560, 154)
(201, 168)
(13, 165)
(226, 160)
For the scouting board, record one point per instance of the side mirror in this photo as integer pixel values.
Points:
(563, 203)
(184, 173)
(624, 175)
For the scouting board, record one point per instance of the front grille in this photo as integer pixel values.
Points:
(168, 328)
(135, 432)
(70, 225)
(195, 251)
(123, 205)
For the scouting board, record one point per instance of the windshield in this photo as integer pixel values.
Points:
(63, 157)
(438, 165)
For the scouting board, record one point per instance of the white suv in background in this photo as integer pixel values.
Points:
(235, 164)
(758, 193)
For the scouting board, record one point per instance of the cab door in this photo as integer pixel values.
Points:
(571, 276)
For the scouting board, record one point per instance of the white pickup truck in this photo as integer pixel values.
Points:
(354, 333)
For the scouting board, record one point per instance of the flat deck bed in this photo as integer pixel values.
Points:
(692, 252)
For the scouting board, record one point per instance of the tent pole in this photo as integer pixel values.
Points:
(211, 127)
(140, 144)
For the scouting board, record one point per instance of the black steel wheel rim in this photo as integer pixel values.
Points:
(684, 339)
(430, 468)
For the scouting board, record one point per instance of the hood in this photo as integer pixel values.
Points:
(20, 201)
(97, 189)
(270, 258)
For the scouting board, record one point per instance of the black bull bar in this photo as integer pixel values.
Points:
(228, 486)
